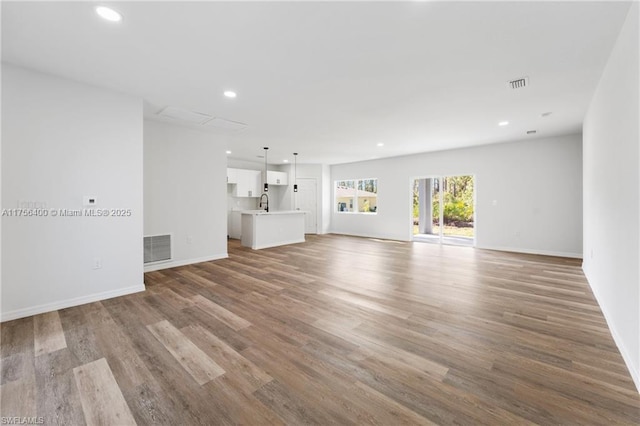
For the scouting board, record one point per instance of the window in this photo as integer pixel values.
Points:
(357, 196)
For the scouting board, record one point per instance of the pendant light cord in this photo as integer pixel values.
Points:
(266, 184)
(295, 172)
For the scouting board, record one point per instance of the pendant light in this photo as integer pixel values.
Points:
(295, 172)
(266, 185)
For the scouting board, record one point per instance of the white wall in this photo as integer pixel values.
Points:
(185, 174)
(536, 185)
(1, 72)
(62, 140)
(611, 188)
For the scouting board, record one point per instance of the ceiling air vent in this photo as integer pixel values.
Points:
(519, 83)
(193, 117)
(180, 114)
(222, 123)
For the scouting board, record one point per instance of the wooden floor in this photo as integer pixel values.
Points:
(338, 330)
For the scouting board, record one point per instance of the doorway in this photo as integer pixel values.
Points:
(444, 210)
(306, 200)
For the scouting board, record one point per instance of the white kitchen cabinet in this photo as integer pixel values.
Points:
(261, 230)
(248, 183)
(232, 175)
(277, 178)
(235, 228)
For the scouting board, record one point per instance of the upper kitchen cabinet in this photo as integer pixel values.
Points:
(232, 175)
(277, 178)
(247, 182)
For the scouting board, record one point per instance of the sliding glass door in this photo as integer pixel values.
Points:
(443, 210)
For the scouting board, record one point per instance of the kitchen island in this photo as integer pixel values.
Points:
(261, 229)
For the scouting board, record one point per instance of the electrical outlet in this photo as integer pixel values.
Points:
(97, 263)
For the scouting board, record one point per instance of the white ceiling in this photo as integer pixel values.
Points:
(332, 80)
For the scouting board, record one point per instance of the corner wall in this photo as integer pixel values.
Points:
(61, 141)
(185, 192)
(611, 194)
(528, 194)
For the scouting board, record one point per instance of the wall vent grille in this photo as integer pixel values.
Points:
(519, 83)
(157, 248)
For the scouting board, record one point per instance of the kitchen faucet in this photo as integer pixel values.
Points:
(266, 204)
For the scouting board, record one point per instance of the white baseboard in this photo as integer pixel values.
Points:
(68, 303)
(175, 263)
(533, 251)
(626, 356)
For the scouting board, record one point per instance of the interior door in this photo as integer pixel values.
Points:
(306, 200)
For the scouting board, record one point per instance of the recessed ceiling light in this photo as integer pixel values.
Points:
(109, 14)
(380, 144)
(531, 132)
(285, 161)
(228, 152)
(503, 123)
(230, 94)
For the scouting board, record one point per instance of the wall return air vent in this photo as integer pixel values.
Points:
(519, 83)
(157, 248)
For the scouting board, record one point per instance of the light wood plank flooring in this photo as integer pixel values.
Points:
(338, 330)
